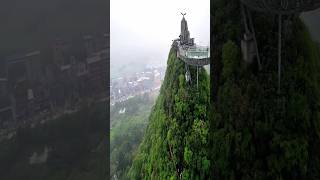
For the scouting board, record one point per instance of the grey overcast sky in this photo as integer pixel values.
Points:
(142, 30)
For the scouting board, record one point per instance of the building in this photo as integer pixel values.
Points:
(29, 87)
(6, 110)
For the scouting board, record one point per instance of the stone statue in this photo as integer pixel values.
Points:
(185, 35)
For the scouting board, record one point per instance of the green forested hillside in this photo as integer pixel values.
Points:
(255, 132)
(175, 143)
(127, 131)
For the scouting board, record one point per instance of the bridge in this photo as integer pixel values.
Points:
(190, 53)
(281, 8)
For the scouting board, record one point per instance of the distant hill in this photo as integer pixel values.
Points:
(312, 20)
(33, 24)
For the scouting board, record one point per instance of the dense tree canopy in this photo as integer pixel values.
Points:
(127, 131)
(255, 132)
(176, 139)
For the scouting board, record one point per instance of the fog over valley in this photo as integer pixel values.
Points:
(142, 31)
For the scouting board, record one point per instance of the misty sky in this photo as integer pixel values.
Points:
(142, 30)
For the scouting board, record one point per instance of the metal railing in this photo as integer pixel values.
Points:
(194, 55)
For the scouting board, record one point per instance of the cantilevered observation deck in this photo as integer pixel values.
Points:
(189, 52)
(194, 55)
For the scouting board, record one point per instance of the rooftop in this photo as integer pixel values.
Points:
(21, 57)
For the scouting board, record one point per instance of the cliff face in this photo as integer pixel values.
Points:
(256, 133)
(175, 143)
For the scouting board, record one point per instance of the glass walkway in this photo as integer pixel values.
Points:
(194, 55)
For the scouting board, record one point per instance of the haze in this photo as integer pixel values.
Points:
(142, 31)
(312, 20)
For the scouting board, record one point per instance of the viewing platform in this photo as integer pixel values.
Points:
(189, 52)
(194, 55)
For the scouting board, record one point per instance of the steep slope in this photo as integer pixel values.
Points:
(175, 143)
(255, 132)
(127, 131)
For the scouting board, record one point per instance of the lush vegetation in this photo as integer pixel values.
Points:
(176, 141)
(256, 133)
(76, 144)
(127, 131)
